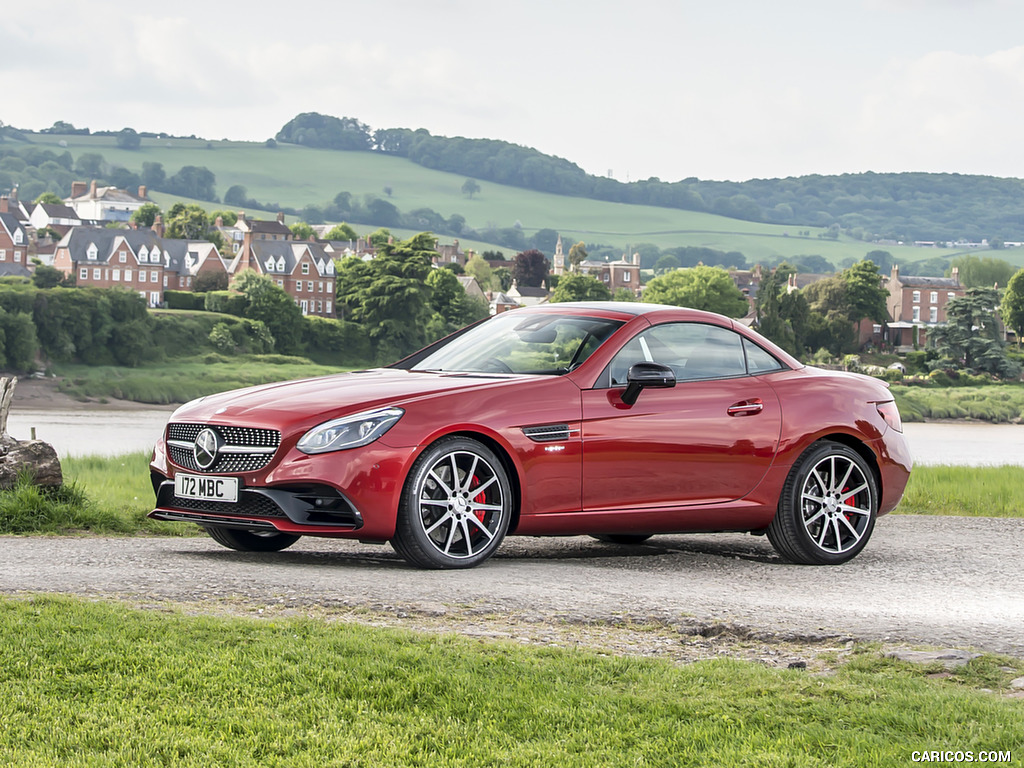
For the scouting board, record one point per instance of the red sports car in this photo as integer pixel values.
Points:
(616, 420)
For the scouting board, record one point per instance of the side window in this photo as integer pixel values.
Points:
(692, 350)
(759, 361)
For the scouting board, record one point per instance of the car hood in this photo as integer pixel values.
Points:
(310, 401)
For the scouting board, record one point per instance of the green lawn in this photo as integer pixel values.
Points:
(95, 684)
(298, 176)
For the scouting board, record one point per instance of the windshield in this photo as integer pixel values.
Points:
(517, 343)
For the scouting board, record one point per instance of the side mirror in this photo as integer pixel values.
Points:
(643, 375)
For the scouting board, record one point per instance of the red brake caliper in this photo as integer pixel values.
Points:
(480, 498)
(849, 502)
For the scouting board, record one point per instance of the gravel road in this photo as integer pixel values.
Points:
(922, 580)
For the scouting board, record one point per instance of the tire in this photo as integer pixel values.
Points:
(251, 541)
(622, 538)
(828, 507)
(455, 508)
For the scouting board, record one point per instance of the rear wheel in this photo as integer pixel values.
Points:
(251, 541)
(828, 507)
(455, 508)
(622, 538)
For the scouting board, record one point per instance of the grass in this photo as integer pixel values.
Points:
(91, 684)
(298, 176)
(964, 491)
(998, 403)
(183, 379)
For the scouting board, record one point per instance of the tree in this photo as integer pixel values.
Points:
(127, 138)
(341, 232)
(981, 271)
(707, 288)
(577, 287)
(46, 276)
(970, 338)
(666, 263)
(48, 198)
(301, 230)
(481, 270)
(577, 255)
(192, 181)
(451, 303)
(379, 237)
(236, 195)
(146, 215)
(153, 175)
(865, 296)
(530, 268)
(545, 240)
(501, 278)
(389, 295)
(210, 281)
(89, 164)
(470, 187)
(1013, 305)
(275, 308)
(190, 222)
(227, 218)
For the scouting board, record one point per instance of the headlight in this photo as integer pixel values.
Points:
(349, 431)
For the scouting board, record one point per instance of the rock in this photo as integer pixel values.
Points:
(16, 456)
(951, 658)
(1017, 684)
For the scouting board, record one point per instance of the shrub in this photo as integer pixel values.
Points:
(185, 300)
(335, 342)
(226, 302)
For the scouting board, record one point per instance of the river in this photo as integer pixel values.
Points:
(113, 432)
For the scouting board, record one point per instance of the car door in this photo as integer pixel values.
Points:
(709, 439)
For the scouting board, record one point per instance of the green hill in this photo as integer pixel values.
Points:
(296, 177)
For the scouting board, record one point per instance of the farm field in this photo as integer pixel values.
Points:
(297, 176)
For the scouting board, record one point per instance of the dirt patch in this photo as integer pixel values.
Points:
(43, 395)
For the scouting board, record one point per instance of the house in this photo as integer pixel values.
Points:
(14, 242)
(95, 203)
(917, 304)
(472, 287)
(115, 258)
(57, 217)
(621, 273)
(499, 302)
(186, 260)
(450, 254)
(527, 296)
(304, 270)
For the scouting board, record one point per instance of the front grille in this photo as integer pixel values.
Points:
(234, 440)
(253, 504)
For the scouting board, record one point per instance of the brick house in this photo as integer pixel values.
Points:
(136, 260)
(621, 273)
(14, 242)
(305, 270)
(917, 304)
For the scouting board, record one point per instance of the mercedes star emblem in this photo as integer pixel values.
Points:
(206, 447)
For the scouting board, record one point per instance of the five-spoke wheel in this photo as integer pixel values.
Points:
(828, 507)
(456, 506)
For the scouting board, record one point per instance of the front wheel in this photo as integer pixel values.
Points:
(455, 508)
(828, 507)
(251, 541)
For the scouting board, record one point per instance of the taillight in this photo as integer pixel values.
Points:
(890, 414)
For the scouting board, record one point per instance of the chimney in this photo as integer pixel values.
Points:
(158, 225)
(14, 195)
(241, 217)
(142, 191)
(3, 204)
(280, 217)
(218, 222)
(78, 188)
(636, 259)
(92, 189)
(955, 274)
(895, 274)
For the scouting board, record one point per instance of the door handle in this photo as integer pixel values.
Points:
(746, 407)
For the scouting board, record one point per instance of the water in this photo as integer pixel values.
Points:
(91, 431)
(111, 433)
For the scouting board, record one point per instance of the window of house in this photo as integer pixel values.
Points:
(154, 298)
(92, 251)
(309, 286)
(320, 286)
(17, 256)
(917, 315)
(122, 257)
(933, 315)
(3, 254)
(917, 297)
(328, 307)
(83, 273)
(606, 277)
(154, 276)
(143, 275)
(305, 269)
(305, 307)
(934, 297)
(116, 275)
(96, 272)
(625, 277)
(950, 296)
(143, 295)
(127, 275)
(19, 237)
(165, 281)
(280, 283)
(876, 329)
(330, 287)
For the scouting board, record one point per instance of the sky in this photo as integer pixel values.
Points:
(720, 89)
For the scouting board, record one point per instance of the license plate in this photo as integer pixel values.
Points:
(206, 488)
